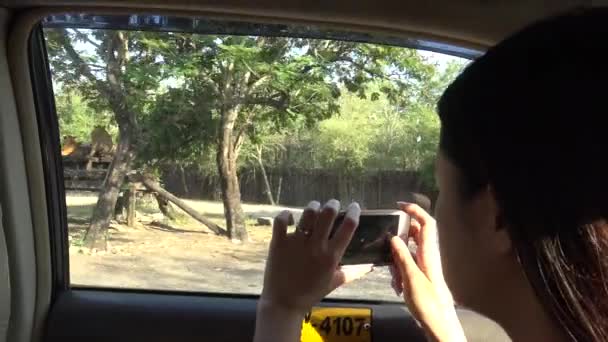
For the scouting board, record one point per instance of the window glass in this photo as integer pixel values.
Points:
(179, 148)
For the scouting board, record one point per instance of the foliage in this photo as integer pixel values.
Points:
(375, 135)
(277, 84)
(343, 142)
(139, 79)
(303, 102)
(77, 118)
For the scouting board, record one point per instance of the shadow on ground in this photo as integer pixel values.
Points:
(167, 228)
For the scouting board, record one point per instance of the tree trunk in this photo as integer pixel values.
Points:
(116, 58)
(227, 153)
(121, 205)
(183, 179)
(154, 186)
(96, 235)
(342, 187)
(264, 175)
(165, 206)
(278, 201)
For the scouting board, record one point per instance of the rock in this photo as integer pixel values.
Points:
(265, 221)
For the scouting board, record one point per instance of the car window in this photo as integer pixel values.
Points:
(179, 148)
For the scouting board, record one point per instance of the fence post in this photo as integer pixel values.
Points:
(379, 189)
(131, 205)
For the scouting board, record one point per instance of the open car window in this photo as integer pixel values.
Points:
(182, 138)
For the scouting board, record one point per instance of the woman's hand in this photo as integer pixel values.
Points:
(302, 268)
(421, 280)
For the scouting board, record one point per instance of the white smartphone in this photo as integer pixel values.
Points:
(371, 242)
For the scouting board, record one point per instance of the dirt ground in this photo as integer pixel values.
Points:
(183, 255)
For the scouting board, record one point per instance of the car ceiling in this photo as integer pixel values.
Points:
(470, 23)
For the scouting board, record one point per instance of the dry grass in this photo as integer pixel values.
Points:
(183, 254)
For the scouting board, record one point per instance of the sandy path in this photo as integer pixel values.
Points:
(187, 257)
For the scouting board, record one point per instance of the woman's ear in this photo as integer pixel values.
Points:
(491, 225)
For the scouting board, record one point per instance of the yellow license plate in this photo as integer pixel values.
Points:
(324, 324)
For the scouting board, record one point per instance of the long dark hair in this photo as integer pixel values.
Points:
(529, 118)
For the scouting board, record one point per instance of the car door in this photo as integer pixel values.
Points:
(160, 278)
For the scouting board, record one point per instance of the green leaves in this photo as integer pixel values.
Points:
(373, 134)
(77, 118)
(343, 105)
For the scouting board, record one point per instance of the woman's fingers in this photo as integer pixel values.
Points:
(396, 281)
(325, 222)
(309, 216)
(428, 230)
(410, 273)
(308, 220)
(348, 273)
(416, 212)
(428, 256)
(414, 231)
(425, 236)
(424, 289)
(279, 227)
(345, 232)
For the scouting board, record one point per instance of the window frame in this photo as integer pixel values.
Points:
(205, 25)
(48, 131)
(48, 127)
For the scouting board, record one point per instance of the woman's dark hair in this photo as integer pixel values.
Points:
(530, 119)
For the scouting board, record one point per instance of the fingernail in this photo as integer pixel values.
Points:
(314, 205)
(353, 211)
(286, 216)
(354, 205)
(402, 204)
(334, 204)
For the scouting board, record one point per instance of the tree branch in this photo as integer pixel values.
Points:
(81, 65)
(257, 83)
(359, 66)
(86, 38)
(238, 143)
(96, 66)
(240, 136)
(278, 101)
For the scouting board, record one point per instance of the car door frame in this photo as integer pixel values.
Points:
(43, 300)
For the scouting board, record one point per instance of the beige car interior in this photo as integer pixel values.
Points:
(25, 266)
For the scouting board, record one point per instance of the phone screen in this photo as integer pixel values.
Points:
(370, 243)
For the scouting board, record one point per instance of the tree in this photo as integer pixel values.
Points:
(369, 136)
(264, 148)
(232, 84)
(116, 73)
(188, 96)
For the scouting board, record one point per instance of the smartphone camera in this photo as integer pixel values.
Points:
(371, 242)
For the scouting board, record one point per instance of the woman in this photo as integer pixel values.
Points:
(523, 206)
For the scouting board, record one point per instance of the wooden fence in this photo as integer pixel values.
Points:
(376, 190)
